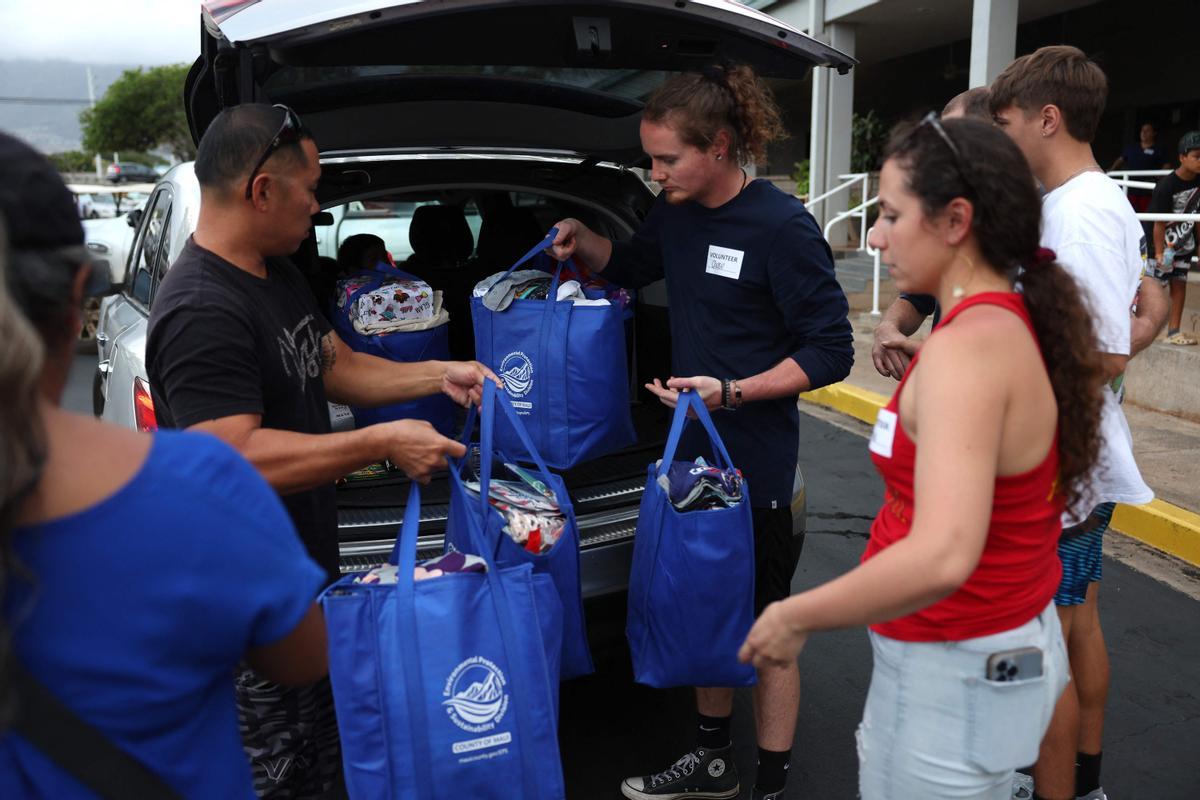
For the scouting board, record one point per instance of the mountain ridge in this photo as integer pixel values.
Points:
(51, 128)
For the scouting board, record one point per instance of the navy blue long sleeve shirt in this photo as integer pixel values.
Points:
(749, 283)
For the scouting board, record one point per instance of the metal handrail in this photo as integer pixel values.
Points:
(865, 246)
(1127, 172)
(860, 211)
(1128, 184)
(1153, 217)
(1122, 177)
(849, 180)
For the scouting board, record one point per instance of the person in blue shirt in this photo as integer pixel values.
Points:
(894, 346)
(136, 571)
(756, 318)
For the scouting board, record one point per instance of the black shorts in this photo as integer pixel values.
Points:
(776, 554)
(290, 736)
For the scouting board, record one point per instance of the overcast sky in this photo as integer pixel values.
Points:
(143, 32)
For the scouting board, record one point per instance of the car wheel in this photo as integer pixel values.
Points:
(97, 394)
(87, 332)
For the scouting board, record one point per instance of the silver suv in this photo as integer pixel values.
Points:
(506, 116)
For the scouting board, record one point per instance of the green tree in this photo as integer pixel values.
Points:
(868, 137)
(800, 176)
(71, 161)
(141, 110)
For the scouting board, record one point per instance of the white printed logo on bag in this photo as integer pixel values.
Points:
(884, 433)
(476, 695)
(724, 262)
(516, 370)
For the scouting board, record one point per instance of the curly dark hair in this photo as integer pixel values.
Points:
(723, 97)
(990, 172)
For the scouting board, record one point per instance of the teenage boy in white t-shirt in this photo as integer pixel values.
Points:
(1050, 103)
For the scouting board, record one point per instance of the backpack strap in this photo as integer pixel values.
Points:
(79, 748)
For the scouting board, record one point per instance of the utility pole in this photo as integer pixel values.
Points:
(92, 99)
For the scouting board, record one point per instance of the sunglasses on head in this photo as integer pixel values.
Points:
(290, 130)
(932, 120)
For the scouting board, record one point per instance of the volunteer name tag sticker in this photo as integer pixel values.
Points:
(724, 262)
(883, 434)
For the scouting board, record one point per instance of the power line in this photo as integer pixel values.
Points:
(46, 101)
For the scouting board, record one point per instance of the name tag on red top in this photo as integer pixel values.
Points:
(884, 433)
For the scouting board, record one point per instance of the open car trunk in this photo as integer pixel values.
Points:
(524, 74)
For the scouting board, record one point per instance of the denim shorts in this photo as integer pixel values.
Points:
(934, 726)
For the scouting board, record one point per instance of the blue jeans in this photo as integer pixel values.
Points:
(935, 727)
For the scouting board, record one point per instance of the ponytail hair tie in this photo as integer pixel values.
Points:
(716, 74)
(1043, 256)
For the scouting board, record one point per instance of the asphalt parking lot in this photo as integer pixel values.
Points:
(611, 727)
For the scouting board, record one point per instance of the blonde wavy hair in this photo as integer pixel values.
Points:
(22, 443)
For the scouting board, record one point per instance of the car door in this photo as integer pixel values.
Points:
(127, 317)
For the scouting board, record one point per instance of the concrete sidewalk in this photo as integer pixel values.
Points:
(1167, 447)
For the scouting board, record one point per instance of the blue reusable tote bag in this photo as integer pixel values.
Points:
(691, 585)
(442, 686)
(561, 562)
(564, 368)
(403, 346)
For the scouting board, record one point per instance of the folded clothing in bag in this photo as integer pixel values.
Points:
(499, 290)
(396, 304)
(451, 561)
(532, 515)
(697, 486)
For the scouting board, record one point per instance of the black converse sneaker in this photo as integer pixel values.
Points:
(701, 774)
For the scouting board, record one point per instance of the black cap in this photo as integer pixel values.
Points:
(38, 209)
(1189, 141)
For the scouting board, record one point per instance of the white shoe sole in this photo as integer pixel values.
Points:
(635, 794)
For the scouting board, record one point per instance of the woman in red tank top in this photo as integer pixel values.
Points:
(989, 433)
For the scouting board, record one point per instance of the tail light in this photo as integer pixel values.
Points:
(143, 407)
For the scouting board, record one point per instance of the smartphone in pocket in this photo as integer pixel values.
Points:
(1019, 664)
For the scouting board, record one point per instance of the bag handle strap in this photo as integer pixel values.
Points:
(533, 251)
(491, 400)
(508, 627)
(689, 399)
(404, 554)
(79, 748)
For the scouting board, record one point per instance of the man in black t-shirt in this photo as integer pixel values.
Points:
(1175, 242)
(237, 347)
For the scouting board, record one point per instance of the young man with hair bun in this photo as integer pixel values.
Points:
(757, 317)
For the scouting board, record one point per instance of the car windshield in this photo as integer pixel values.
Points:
(628, 84)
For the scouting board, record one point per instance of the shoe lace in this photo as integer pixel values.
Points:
(682, 767)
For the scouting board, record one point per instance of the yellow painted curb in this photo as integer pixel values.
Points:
(849, 399)
(1161, 525)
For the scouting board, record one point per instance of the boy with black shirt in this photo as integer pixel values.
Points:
(1175, 242)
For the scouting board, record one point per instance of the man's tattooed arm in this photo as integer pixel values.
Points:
(328, 352)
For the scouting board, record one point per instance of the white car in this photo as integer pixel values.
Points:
(97, 206)
(459, 131)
